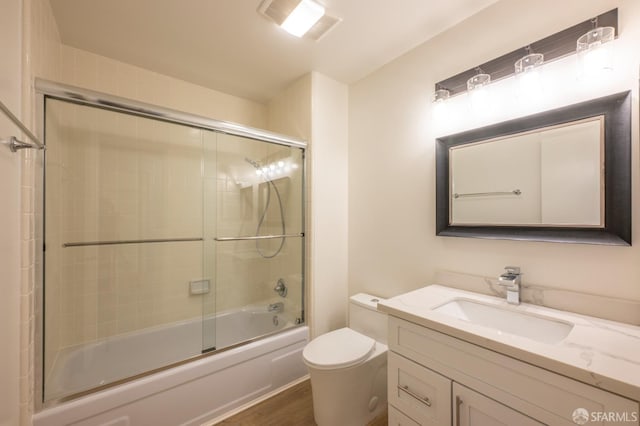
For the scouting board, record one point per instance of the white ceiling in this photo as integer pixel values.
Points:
(226, 45)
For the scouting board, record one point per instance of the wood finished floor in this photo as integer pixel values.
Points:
(292, 407)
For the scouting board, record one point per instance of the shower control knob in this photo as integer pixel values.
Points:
(281, 288)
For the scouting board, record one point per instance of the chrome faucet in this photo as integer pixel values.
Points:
(276, 307)
(511, 280)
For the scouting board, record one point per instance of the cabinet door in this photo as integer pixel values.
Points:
(474, 409)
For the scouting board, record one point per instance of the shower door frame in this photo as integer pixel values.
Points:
(51, 90)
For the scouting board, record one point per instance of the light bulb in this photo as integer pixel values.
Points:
(528, 77)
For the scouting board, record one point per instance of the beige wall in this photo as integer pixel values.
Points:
(289, 112)
(392, 242)
(329, 211)
(10, 216)
(314, 108)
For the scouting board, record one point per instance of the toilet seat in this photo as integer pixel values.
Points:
(340, 348)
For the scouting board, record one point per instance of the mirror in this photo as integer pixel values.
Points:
(562, 175)
(552, 176)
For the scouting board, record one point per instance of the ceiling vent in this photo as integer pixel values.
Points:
(278, 10)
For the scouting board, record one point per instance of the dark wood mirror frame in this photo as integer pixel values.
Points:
(617, 227)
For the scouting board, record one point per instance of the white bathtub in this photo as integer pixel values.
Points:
(188, 394)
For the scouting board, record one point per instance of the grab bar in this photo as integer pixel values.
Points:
(259, 237)
(116, 242)
(14, 143)
(483, 194)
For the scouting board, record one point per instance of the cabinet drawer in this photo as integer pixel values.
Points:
(398, 418)
(549, 397)
(420, 393)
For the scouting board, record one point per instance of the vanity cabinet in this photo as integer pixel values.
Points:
(437, 379)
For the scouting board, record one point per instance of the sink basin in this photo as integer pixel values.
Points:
(507, 320)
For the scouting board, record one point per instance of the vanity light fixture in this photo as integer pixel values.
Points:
(440, 107)
(478, 81)
(441, 95)
(593, 53)
(529, 63)
(591, 36)
(305, 15)
(528, 70)
(479, 98)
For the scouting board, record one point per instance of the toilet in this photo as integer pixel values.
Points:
(348, 367)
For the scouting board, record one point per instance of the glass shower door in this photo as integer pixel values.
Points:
(124, 280)
(163, 241)
(258, 238)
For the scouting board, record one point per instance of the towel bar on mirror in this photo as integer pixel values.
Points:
(485, 194)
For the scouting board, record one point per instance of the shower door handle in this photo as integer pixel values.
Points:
(117, 242)
(259, 237)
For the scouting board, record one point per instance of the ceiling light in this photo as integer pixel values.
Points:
(303, 17)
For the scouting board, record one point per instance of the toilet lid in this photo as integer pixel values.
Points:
(338, 349)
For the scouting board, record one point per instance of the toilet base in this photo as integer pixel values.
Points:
(351, 396)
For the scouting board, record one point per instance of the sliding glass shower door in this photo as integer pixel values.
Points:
(163, 241)
(258, 238)
(123, 245)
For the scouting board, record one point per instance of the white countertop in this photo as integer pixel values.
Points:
(598, 352)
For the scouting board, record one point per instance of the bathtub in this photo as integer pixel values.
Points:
(188, 394)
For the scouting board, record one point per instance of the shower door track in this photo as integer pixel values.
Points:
(115, 103)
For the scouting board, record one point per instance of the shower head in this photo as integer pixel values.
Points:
(253, 163)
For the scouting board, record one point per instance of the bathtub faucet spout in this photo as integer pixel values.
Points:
(276, 307)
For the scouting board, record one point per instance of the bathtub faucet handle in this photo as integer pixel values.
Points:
(281, 288)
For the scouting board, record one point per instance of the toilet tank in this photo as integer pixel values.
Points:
(364, 317)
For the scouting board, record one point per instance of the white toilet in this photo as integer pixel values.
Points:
(348, 367)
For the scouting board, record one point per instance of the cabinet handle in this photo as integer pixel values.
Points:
(458, 404)
(424, 399)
